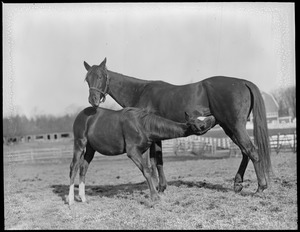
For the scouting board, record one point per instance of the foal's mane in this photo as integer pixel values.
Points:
(154, 123)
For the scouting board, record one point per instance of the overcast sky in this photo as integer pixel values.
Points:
(44, 46)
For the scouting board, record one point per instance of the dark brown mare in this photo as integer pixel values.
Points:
(130, 130)
(229, 100)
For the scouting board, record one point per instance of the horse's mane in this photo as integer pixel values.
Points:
(154, 123)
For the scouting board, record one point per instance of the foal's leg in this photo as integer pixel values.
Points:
(86, 160)
(151, 163)
(78, 150)
(156, 153)
(135, 155)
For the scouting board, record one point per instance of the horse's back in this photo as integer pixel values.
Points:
(171, 101)
(224, 81)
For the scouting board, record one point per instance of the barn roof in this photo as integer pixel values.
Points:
(270, 102)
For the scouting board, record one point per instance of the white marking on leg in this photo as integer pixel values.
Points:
(71, 194)
(82, 191)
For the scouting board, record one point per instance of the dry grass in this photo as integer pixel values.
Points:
(199, 196)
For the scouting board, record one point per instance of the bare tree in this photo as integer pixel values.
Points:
(286, 98)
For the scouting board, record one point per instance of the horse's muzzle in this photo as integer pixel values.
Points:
(94, 101)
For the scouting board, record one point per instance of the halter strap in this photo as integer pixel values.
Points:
(105, 89)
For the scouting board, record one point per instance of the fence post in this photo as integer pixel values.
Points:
(278, 143)
(214, 146)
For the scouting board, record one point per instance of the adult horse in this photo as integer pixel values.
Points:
(230, 100)
(130, 130)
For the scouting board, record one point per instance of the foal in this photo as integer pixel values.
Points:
(130, 130)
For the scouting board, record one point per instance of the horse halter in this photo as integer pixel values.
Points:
(104, 93)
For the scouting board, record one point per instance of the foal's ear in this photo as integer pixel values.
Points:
(187, 116)
(86, 65)
(103, 63)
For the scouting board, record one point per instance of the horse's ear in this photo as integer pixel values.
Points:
(103, 63)
(86, 65)
(187, 116)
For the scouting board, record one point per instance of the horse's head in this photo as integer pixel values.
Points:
(98, 81)
(197, 126)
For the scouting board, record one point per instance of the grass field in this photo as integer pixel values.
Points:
(199, 196)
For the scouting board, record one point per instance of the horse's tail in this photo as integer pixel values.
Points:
(260, 130)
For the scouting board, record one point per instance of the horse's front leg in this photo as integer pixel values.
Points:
(136, 156)
(157, 158)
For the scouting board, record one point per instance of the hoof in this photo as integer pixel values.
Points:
(155, 198)
(161, 188)
(260, 189)
(238, 187)
(82, 198)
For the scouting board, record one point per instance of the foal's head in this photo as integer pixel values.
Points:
(196, 126)
(98, 81)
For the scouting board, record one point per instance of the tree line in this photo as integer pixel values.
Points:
(20, 125)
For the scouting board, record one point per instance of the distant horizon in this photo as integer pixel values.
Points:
(73, 109)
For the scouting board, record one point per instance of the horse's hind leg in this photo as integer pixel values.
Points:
(242, 139)
(239, 177)
(86, 160)
(79, 145)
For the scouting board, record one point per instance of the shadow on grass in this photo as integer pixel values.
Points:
(114, 190)
(191, 156)
(199, 184)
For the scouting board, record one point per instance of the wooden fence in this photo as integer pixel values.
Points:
(36, 155)
(193, 144)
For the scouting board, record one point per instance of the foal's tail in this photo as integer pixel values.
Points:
(260, 129)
